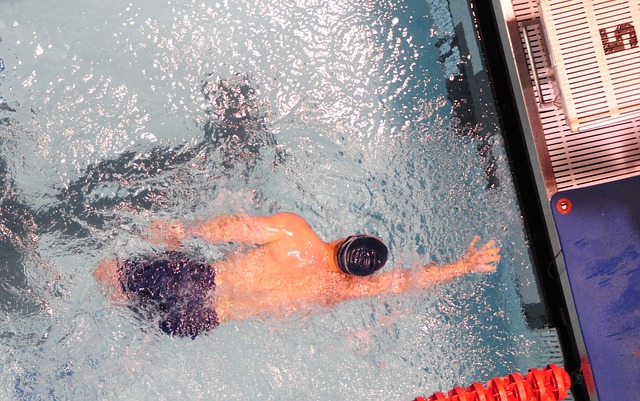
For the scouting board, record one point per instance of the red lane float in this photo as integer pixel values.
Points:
(548, 384)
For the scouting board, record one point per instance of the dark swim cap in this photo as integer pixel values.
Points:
(362, 255)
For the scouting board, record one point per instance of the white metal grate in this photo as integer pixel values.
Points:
(590, 155)
(594, 49)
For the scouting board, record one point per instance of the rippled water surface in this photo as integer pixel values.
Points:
(116, 113)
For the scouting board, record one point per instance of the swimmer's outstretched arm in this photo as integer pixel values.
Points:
(229, 228)
(397, 281)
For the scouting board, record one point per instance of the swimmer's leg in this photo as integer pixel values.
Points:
(108, 278)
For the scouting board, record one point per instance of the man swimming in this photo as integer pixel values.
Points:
(290, 270)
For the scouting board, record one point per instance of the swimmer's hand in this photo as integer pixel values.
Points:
(171, 233)
(481, 260)
(476, 260)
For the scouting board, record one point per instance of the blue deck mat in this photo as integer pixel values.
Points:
(600, 239)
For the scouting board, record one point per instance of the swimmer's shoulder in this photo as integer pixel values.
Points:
(291, 223)
(287, 219)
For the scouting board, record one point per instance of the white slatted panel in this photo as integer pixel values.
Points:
(595, 51)
(591, 155)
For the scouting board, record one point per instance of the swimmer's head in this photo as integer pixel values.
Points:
(362, 255)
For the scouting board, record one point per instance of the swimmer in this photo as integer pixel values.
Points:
(289, 269)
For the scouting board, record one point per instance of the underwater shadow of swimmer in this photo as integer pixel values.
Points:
(235, 135)
(17, 239)
(235, 124)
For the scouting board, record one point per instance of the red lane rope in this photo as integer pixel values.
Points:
(548, 384)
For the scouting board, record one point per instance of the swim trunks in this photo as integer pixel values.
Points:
(173, 289)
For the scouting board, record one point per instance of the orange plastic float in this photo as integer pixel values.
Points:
(548, 384)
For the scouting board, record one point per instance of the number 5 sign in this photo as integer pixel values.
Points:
(620, 33)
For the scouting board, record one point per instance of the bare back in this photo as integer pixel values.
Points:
(278, 278)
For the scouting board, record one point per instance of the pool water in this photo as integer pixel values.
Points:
(351, 114)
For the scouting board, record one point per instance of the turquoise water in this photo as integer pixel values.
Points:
(115, 114)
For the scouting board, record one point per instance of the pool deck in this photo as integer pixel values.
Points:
(587, 180)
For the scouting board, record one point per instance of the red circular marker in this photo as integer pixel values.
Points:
(564, 205)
